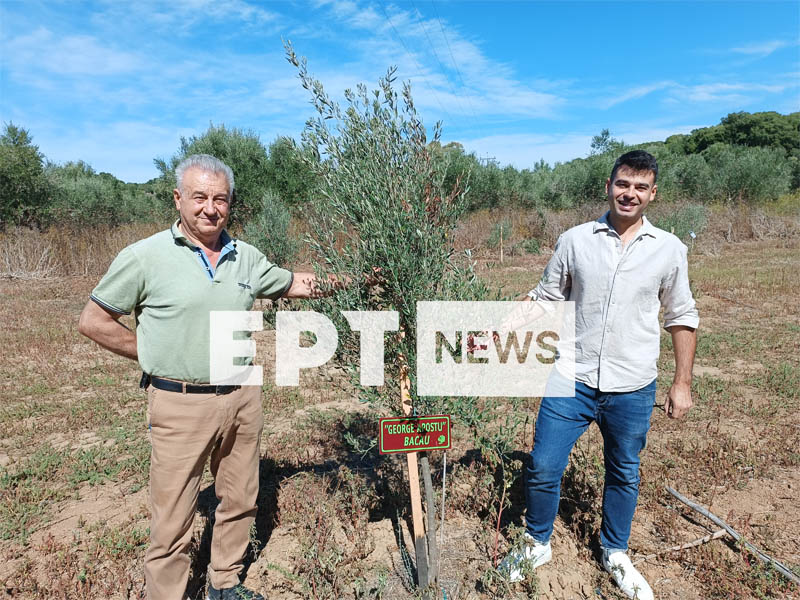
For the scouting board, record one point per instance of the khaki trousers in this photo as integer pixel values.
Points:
(185, 429)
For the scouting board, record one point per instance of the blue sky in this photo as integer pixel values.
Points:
(117, 83)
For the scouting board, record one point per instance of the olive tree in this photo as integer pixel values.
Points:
(382, 202)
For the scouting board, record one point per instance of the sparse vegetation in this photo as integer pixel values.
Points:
(74, 455)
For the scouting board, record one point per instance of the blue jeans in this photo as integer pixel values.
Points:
(623, 419)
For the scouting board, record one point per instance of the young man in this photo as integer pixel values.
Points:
(171, 281)
(619, 270)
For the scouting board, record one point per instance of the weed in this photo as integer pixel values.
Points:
(333, 535)
(532, 246)
(686, 220)
(582, 491)
(26, 493)
(122, 543)
(501, 230)
(723, 575)
(710, 393)
(781, 379)
(495, 586)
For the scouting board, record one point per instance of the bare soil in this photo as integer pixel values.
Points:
(74, 455)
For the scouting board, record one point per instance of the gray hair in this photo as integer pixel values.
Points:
(204, 162)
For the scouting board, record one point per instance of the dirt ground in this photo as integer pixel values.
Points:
(333, 516)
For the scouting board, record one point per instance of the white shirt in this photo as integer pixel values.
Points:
(618, 293)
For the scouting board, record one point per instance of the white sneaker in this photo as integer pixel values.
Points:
(629, 580)
(521, 561)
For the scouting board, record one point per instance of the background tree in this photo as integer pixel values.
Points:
(288, 173)
(24, 189)
(83, 197)
(603, 142)
(241, 150)
(268, 230)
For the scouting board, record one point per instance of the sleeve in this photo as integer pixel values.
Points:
(676, 295)
(555, 283)
(122, 287)
(272, 281)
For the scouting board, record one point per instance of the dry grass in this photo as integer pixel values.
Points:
(333, 516)
(727, 223)
(29, 254)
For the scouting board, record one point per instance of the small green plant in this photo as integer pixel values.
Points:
(501, 230)
(582, 491)
(532, 246)
(689, 219)
(26, 492)
(782, 379)
(330, 516)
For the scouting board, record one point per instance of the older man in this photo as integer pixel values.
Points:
(171, 281)
(619, 270)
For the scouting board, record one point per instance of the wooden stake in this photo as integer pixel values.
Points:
(501, 243)
(416, 499)
(444, 495)
(430, 522)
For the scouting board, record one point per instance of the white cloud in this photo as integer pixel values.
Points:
(762, 49)
(637, 92)
(523, 150)
(182, 15)
(674, 92)
(41, 50)
(724, 92)
(640, 135)
(353, 14)
(124, 148)
(424, 51)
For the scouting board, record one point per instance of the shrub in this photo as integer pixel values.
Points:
(501, 230)
(24, 189)
(684, 221)
(684, 178)
(268, 230)
(750, 174)
(288, 173)
(580, 181)
(82, 197)
(532, 246)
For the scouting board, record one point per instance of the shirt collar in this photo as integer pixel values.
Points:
(647, 228)
(228, 243)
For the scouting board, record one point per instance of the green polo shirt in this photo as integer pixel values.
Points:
(171, 293)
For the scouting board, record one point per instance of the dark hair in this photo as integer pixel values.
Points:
(638, 161)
